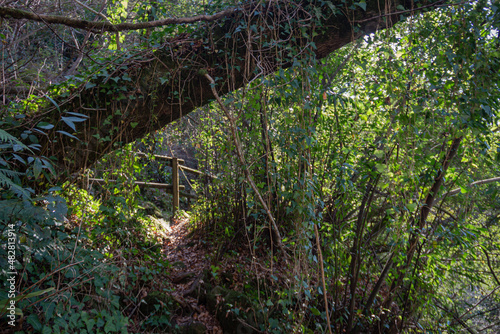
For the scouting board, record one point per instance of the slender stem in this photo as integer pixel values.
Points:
(489, 266)
(241, 157)
(476, 183)
(91, 9)
(320, 253)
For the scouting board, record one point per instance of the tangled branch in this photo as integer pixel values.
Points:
(105, 26)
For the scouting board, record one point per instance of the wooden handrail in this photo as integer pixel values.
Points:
(187, 195)
(195, 171)
(142, 184)
(161, 157)
(181, 163)
(175, 188)
(175, 183)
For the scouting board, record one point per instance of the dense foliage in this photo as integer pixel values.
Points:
(366, 184)
(369, 146)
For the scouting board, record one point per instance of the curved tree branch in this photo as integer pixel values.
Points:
(470, 185)
(131, 96)
(104, 26)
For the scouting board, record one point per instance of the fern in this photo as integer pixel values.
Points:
(6, 181)
(7, 137)
(10, 173)
(9, 179)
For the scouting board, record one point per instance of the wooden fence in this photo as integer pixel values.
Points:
(175, 188)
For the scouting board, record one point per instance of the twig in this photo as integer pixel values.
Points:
(432, 5)
(489, 265)
(445, 211)
(460, 321)
(92, 10)
(476, 183)
(239, 153)
(246, 324)
(320, 253)
(58, 291)
(105, 26)
(479, 302)
(50, 274)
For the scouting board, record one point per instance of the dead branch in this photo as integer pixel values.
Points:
(105, 26)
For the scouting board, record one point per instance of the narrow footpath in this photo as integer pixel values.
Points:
(189, 258)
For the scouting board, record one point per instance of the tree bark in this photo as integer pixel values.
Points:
(131, 96)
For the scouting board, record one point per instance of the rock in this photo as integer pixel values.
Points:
(194, 328)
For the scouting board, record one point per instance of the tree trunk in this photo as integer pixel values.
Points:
(132, 96)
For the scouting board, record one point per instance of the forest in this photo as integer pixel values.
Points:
(280, 166)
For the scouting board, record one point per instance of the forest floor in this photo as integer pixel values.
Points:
(230, 265)
(189, 257)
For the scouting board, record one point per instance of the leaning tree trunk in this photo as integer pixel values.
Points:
(133, 96)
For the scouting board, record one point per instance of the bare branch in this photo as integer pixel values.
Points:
(239, 153)
(100, 27)
(489, 266)
(434, 5)
(92, 10)
(476, 183)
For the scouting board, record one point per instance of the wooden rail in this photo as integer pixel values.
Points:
(175, 188)
(180, 164)
(161, 157)
(167, 187)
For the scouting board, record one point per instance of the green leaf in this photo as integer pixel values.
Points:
(77, 114)
(33, 320)
(18, 158)
(45, 125)
(49, 312)
(36, 293)
(67, 134)
(315, 311)
(17, 147)
(49, 166)
(53, 102)
(69, 123)
(7, 137)
(110, 326)
(379, 154)
(361, 4)
(411, 206)
(37, 167)
(89, 323)
(75, 119)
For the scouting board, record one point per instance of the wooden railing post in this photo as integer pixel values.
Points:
(175, 184)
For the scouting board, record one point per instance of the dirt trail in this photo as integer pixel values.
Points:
(189, 258)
